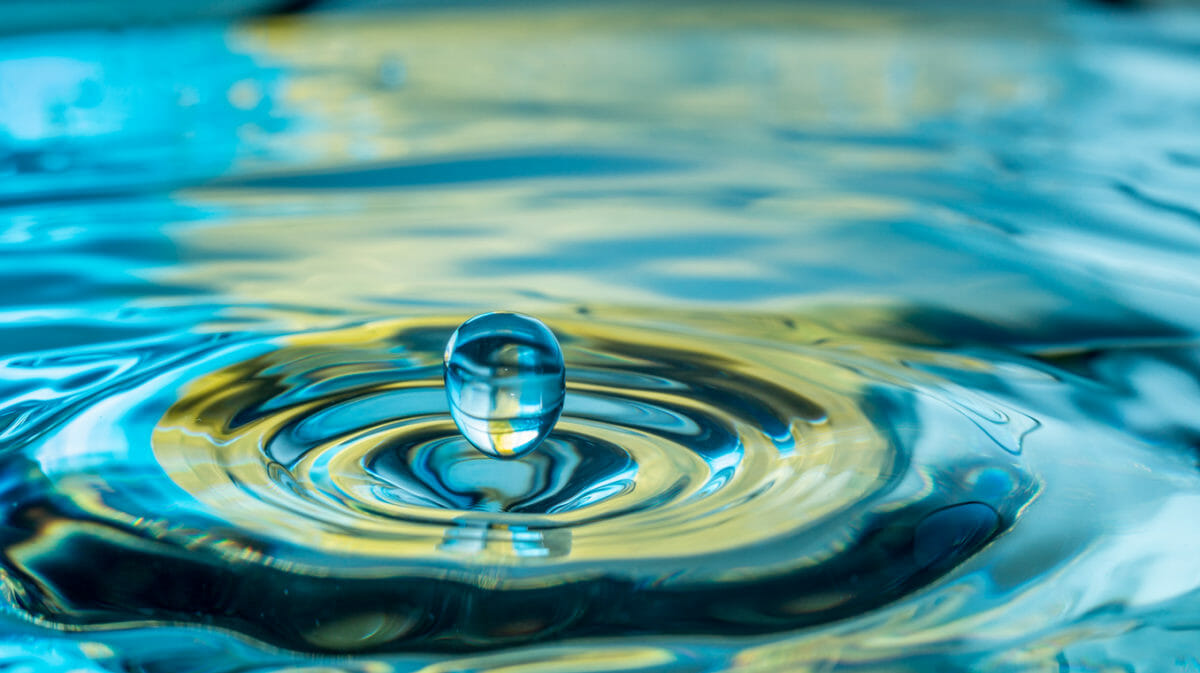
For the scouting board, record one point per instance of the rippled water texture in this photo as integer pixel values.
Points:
(879, 329)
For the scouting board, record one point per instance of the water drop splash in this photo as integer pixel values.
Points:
(505, 381)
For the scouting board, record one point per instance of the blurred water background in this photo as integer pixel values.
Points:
(880, 325)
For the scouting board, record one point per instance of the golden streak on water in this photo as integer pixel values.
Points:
(494, 83)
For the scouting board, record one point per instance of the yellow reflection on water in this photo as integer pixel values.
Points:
(216, 447)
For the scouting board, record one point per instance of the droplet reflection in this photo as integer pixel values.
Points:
(505, 382)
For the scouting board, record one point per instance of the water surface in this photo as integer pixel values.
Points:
(879, 329)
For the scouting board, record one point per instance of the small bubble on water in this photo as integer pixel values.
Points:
(505, 382)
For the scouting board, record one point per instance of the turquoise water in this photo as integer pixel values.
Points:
(879, 327)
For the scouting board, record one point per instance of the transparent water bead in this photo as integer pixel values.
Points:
(505, 381)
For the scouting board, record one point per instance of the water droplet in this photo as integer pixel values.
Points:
(505, 381)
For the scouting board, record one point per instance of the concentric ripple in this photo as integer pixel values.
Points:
(313, 490)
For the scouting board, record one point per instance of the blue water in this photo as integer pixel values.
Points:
(879, 328)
